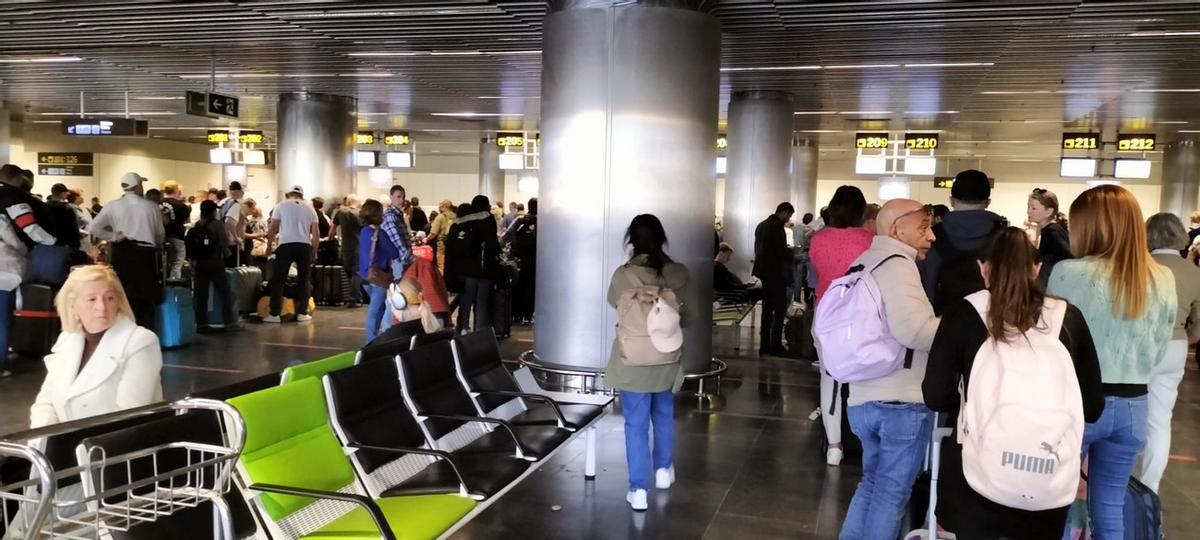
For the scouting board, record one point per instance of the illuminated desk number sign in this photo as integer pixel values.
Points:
(510, 140)
(251, 137)
(364, 137)
(1136, 142)
(1080, 141)
(871, 140)
(921, 141)
(722, 142)
(215, 136)
(398, 138)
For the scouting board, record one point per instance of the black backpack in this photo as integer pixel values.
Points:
(958, 276)
(199, 244)
(524, 239)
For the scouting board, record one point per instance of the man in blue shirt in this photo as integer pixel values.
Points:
(397, 231)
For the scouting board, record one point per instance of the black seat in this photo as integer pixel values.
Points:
(369, 414)
(431, 382)
(240, 388)
(478, 357)
(421, 340)
(200, 426)
(395, 340)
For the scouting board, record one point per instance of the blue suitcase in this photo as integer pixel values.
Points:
(176, 318)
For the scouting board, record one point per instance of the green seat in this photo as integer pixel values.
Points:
(289, 443)
(317, 368)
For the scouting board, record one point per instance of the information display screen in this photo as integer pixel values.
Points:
(1080, 141)
(110, 127)
(400, 138)
(364, 137)
(722, 142)
(510, 140)
(65, 164)
(921, 141)
(1136, 142)
(218, 136)
(871, 140)
(251, 137)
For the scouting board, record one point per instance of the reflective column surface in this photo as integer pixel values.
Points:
(804, 177)
(491, 177)
(629, 115)
(316, 144)
(1180, 178)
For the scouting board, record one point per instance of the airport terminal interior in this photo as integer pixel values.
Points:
(478, 381)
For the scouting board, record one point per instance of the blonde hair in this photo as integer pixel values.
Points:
(1106, 223)
(65, 300)
(170, 186)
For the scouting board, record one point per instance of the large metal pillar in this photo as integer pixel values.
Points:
(316, 144)
(1180, 178)
(491, 177)
(804, 177)
(629, 116)
(760, 168)
(5, 136)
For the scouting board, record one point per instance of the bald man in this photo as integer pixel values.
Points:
(889, 413)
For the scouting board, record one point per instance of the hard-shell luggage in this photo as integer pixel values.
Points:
(327, 252)
(502, 316)
(175, 318)
(329, 285)
(1143, 512)
(216, 302)
(35, 326)
(245, 282)
(509, 274)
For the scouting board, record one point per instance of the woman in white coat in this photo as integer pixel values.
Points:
(103, 361)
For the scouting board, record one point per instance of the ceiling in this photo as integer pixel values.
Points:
(990, 75)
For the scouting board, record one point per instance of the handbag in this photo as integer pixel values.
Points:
(377, 276)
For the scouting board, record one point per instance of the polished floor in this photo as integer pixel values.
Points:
(748, 460)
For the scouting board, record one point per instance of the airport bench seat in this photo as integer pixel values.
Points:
(317, 368)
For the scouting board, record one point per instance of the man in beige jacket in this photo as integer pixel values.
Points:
(889, 413)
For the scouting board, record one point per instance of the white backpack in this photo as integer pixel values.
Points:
(1021, 423)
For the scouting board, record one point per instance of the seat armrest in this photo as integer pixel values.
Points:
(385, 531)
(484, 420)
(562, 420)
(444, 456)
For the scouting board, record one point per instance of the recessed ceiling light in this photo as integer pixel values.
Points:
(372, 114)
(950, 64)
(366, 74)
(40, 60)
(514, 52)
(473, 114)
(1170, 122)
(131, 113)
(384, 53)
(798, 113)
(246, 75)
(930, 112)
(1189, 131)
(771, 68)
(1165, 33)
(862, 66)
(1166, 90)
(865, 112)
(158, 98)
(455, 53)
(507, 97)
(820, 131)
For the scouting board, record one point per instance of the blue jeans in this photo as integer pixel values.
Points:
(895, 437)
(1110, 445)
(477, 296)
(640, 410)
(379, 315)
(7, 303)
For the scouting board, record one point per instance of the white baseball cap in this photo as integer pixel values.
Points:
(297, 189)
(132, 180)
(663, 325)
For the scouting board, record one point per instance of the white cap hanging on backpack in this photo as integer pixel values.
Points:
(663, 324)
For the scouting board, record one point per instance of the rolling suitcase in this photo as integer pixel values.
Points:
(923, 502)
(502, 317)
(35, 326)
(329, 285)
(245, 282)
(176, 318)
(1143, 512)
(216, 302)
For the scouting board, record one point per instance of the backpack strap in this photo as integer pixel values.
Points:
(1054, 312)
(633, 277)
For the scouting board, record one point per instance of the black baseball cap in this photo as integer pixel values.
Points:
(235, 186)
(59, 188)
(971, 186)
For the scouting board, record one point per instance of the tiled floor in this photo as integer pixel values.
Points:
(748, 460)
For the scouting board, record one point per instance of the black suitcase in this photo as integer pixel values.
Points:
(502, 317)
(35, 326)
(328, 285)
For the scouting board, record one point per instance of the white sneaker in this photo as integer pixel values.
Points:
(663, 478)
(833, 457)
(272, 319)
(637, 500)
(303, 317)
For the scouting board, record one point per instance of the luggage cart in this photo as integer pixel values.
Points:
(154, 482)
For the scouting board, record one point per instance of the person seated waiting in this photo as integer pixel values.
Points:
(727, 282)
(103, 361)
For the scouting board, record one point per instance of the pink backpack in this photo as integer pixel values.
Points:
(851, 331)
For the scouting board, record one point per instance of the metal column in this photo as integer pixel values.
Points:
(629, 118)
(1180, 178)
(804, 177)
(760, 168)
(491, 177)
(316, 144)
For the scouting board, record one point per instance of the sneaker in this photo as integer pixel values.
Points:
(272, 319)
(833, 457)
(663, 478)
(303, 317)
(4, 373)
(637, 500)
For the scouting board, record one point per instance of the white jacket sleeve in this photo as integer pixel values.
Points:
(42, 412)
(141, 380)
(909, 314)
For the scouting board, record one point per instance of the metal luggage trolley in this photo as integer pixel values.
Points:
(152, 483)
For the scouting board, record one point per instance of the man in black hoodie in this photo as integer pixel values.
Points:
(950, 271)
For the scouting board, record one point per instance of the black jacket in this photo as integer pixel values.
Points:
(472, 247)
(419, 221)
(28, 215)
(772, 258)
(960, 508)
(180, 212)
(725, 281)
(1054, 246)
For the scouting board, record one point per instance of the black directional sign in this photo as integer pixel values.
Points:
(222, 105)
